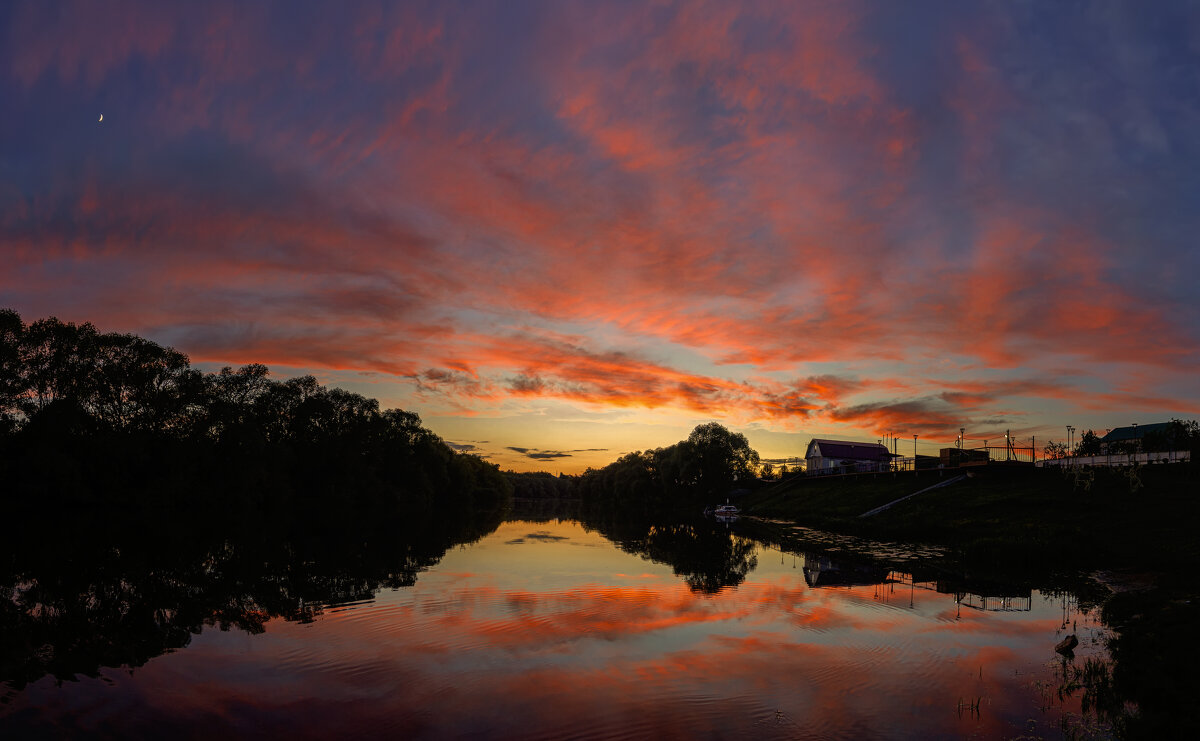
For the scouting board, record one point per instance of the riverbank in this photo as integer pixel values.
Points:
(1096, 519)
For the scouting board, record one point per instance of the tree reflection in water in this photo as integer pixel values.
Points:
(706, 554)
(76, 599)
(118, 595)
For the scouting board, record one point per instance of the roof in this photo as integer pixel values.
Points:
(1133, 432)
(850, 449)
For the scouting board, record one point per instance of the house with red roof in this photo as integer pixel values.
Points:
(837, 456)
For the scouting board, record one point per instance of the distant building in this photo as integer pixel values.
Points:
(922, 462)
(954, 457)
(828, 455)
(1129, 439)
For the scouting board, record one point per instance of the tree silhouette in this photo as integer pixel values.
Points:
(87, 417)
(724, 457)
(1089, 444)
(707, 465)
(11, 384)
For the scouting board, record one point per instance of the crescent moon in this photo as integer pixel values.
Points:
(101, 116)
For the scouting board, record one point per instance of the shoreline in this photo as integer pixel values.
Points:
(1108, 520)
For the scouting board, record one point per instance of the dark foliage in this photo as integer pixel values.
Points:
(1089, 444)
(1154, 662)
(704, 468)
(88, 418)
(542, 485)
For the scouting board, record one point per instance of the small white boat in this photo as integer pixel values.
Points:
(726, 510)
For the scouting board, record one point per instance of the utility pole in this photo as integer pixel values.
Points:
(914, 453)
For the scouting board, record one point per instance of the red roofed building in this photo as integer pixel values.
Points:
(847, 455)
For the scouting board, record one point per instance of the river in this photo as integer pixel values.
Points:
(552, 629)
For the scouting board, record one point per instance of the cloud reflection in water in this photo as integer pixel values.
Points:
(541, 639)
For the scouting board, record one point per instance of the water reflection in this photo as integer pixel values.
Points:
(110, 595)
(706, 554)
(537, 630)
(822, 570)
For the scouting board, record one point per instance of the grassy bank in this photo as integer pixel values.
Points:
(1099, 519)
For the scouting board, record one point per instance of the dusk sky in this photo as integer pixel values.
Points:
(564, 231)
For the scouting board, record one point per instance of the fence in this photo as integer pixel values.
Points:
(1118, 459)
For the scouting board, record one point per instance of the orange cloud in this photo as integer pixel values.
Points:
(727, 211)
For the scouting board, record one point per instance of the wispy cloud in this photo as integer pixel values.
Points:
(791, 215)
(540, 455)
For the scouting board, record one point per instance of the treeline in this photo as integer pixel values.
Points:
(542, 485)
(105, 418)
(704, 468)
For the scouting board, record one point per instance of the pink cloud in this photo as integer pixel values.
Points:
(675, 208)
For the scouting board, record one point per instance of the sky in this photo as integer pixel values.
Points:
(564, 231)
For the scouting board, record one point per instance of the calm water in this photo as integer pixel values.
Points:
(549, 630)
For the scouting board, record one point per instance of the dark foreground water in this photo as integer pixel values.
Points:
(546, 630)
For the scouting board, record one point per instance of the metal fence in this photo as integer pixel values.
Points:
(1118, 459)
